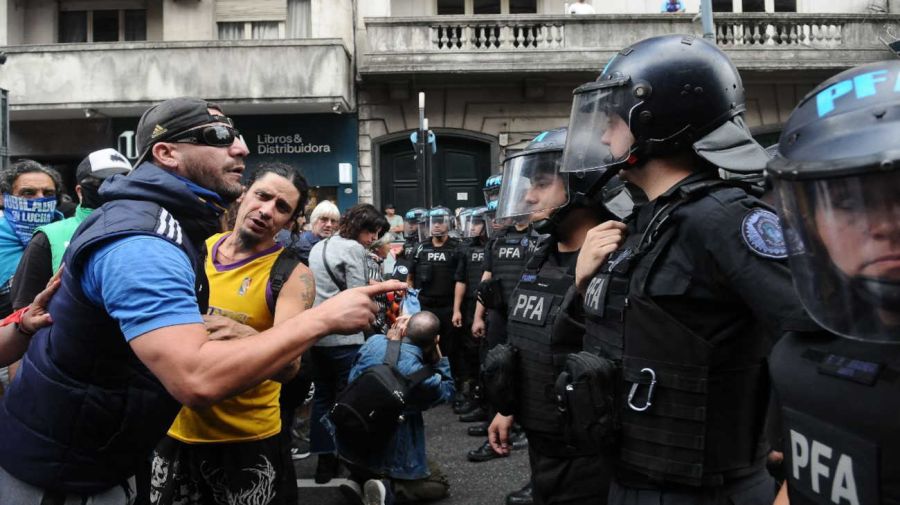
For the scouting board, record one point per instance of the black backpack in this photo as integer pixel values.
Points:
(368, 411)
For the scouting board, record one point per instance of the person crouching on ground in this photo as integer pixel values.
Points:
(403, 463)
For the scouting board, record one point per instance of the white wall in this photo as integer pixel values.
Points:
(333, 19)
(189, 20)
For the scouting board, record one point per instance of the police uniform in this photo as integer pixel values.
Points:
(545, 325)
(505, 259)
(688, 305)
(842, 446)
(433, 270)
(469, 271)
(838, 387)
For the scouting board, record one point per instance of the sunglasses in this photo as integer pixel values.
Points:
(217, 135)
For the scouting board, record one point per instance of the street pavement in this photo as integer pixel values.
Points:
(446, 441)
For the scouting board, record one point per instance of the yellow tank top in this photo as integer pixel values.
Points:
(239, 291)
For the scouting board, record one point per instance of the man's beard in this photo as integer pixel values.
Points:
(208, 178)
(246, 240)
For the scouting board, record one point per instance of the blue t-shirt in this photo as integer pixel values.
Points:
(144, 282)
(671, 7)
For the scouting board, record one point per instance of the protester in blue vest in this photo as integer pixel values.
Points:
(99, 387)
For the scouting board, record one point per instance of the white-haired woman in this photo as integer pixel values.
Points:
(323, 222)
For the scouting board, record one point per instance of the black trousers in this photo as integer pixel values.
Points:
(756, 489)
(469, 346)
(558, 478)
(293, 393)
(449, 343)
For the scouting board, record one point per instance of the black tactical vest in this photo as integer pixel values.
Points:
(692, 411)
(474, 251)
(435, 270)
(539, 327)
(840, 404)
(409, 248)
(509, 254)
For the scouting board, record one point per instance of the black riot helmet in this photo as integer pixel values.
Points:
(661, 96)
(534, 186)
(837, 178)
(414, 219)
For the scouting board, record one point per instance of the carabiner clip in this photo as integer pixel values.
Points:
(649, 392)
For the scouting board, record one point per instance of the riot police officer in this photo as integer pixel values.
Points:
(491, 188)
(505, 258)
(696, 289)
(432, 272)
(838, 180)
(545, 321)
(414, 220)
(474, 231)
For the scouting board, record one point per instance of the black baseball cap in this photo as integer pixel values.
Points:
(102, 164)
(171, 117)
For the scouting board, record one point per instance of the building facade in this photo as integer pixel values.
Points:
(332, 87)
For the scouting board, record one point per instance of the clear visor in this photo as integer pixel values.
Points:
(843, 236)
(491, 194)
(532, 187)
(422, 227)
(493, 225)
(410, 229)
(473, 225)
(439, 226)
(599, 132)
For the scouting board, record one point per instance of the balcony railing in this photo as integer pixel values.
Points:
(534, 43)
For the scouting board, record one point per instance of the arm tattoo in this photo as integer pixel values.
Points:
(309, 288)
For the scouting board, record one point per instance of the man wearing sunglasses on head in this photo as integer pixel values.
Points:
(100, 386)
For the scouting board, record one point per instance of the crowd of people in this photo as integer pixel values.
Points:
(633, 304)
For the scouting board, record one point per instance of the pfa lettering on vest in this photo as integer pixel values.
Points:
(829, 465)
(510, 253)
(437, 256)
(593, 297)
(477, 257)
(531, 308)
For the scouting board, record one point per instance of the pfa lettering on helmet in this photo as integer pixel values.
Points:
(858, 87)
(837, 176)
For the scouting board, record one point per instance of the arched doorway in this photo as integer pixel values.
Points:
(462, 163)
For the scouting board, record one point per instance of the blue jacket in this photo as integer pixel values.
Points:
(404, 457)
(84, 412)
(301, 246)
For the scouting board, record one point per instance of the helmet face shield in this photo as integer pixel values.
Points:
(843, 236)
(412, 222)
(439, 224)
(532, 186)
(599, 134)
(472, 223)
